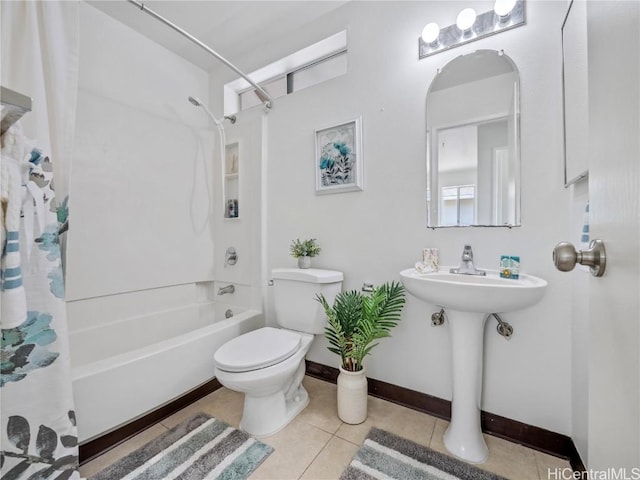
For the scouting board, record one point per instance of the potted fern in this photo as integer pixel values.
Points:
(355, 322)
(303, 250)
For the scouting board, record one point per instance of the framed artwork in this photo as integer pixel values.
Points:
(338, 159)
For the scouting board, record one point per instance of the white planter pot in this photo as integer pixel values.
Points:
(304, 262)
(352, 396)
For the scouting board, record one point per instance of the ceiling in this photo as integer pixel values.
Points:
(228, 27)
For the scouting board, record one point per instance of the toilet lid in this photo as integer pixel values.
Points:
(257, 349)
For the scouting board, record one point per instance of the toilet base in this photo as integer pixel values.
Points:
(274, 395)
(281, 412)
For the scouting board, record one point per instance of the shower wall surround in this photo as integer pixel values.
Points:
(145, 200)
(371, 235)
(146, 190)
(142, 190)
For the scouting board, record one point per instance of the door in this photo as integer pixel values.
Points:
(614, 197)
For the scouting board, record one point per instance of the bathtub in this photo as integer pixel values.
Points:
(127, 368)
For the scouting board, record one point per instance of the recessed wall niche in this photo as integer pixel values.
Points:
(232, 180)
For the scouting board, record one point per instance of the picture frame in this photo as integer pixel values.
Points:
(339, 164)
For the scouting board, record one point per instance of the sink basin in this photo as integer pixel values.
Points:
(467, 300)
(473, 293)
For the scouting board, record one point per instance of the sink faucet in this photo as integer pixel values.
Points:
(227, 289)
(466, 265)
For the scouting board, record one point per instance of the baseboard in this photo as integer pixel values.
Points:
(93, 448)
(530, 436)
(537, 438)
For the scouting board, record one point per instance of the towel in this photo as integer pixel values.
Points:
(584, 235)
(14, 303)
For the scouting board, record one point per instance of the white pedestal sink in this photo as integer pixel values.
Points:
(467, 300)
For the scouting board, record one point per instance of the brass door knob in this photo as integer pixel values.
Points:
(565, 257)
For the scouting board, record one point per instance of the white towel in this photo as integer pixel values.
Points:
(14, 303)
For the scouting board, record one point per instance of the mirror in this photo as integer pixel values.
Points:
(473, 143)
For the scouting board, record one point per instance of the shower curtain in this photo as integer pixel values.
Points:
(38, 435)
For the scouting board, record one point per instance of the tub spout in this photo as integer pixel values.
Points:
(227, 289)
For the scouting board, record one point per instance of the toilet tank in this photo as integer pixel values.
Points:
(294, 293)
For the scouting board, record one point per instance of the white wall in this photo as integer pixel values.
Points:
(484, 99)
(490, 136)
(580, 280)
(580, 325)
(372, 235)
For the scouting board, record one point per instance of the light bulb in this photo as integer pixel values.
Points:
(466, 19)
(503, 7)
(430, 32)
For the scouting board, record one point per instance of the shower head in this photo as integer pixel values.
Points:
(196, 101)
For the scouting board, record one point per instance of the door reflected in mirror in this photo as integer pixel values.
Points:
(473, 152)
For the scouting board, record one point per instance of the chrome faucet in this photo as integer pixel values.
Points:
(227, 289)
(466, 265)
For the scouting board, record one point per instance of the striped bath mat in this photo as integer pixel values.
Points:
(199, 448)
(387, 456)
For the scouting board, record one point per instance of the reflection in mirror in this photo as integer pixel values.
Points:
(473, 145)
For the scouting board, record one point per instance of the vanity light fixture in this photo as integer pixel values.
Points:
(465, 20)
(430, 33)
(503, 9)
(469, 26)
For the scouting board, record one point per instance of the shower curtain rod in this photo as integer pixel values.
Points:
(264, 97)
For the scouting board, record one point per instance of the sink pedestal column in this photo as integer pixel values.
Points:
(464, 437)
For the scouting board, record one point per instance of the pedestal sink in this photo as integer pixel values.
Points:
(467, 300)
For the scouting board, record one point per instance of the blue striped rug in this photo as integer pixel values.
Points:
(199, 448)
(387, 456)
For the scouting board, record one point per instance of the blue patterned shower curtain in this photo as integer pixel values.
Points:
(39, 437)
(40, 54)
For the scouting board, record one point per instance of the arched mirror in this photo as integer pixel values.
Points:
(473, 143)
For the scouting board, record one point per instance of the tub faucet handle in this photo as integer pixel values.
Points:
(226, 289)
(230, 257)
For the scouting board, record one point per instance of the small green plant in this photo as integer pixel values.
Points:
(304, 248)
(357, 320)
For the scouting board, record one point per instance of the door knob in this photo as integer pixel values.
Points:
(565, 257)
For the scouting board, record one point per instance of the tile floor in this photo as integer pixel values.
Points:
(318, 445)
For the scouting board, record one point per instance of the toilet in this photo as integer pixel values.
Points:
(267, 364)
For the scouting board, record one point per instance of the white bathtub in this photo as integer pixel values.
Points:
(127, 368)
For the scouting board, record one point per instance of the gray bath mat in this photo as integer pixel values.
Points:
(384, 455)
(199, 448)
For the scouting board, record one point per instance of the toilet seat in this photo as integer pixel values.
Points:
(257, 349)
